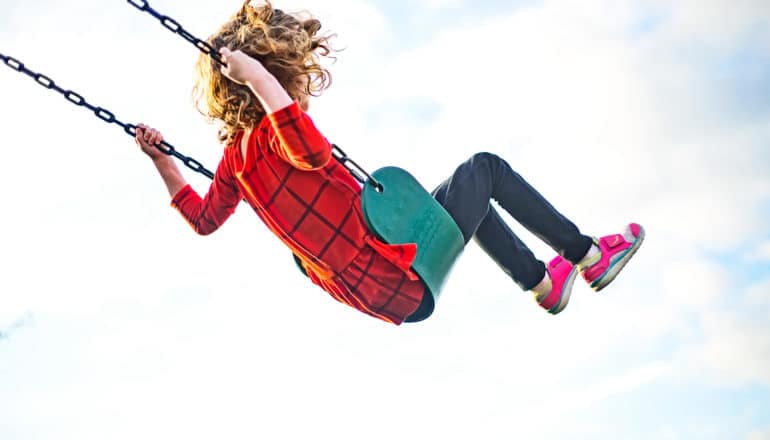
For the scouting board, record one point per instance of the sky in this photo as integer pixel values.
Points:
(117, 321)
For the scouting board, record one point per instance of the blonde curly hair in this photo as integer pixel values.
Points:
(287, 45)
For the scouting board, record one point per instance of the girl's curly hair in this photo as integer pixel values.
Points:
(287, 45)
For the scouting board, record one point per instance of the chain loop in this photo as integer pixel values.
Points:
(204, 47)
(101, 112)
(44, 81)
(104, 115)
(189, 37)
(166, 148)
(355, 169)
(193, 164)
(171, 24)
(13, 63)
(74, 98)
(139, 4)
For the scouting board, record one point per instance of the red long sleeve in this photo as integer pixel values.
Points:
(207, 214)
(297, 140)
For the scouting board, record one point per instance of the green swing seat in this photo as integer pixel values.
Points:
(401, 211)
(404, 212)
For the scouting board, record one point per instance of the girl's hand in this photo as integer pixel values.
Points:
(245, 70)
(146, 138)
(242, 68)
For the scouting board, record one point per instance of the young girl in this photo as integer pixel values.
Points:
(277, 160)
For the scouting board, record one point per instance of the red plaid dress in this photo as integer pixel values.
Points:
(312, 204)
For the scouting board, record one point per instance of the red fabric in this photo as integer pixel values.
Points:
(312, 204)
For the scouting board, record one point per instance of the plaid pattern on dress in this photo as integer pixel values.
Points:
(312, 204)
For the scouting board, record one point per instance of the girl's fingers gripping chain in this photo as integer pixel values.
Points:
(140, 129)
(240, 67)
(226, 68)
(157, 138)
(147, 137)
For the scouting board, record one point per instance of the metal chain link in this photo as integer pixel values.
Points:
(169, 23)
(355, 169)
(101, 113)
(174, 26)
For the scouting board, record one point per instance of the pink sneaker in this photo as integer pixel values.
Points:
(562, 274)
(615, 251)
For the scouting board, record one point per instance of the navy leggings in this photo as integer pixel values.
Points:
(466, 195)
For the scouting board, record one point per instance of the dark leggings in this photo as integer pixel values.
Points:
(466, 195)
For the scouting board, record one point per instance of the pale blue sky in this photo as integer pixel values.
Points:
(116, 322)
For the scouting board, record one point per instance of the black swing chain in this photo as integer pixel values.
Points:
(169, 23)
(101, 113)
(107, 116)
(174, 26)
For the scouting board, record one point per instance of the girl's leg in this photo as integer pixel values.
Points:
(508, 251)
(466, 195)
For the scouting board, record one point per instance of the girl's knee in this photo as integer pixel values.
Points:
(486, 160)
(484, 157)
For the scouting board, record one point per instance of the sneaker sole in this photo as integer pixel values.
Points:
(565, 295)
(615, 269)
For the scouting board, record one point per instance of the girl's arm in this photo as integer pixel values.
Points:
(170, 174)
(247, 71)
(296, 140)
(204, 214)
(146, 138)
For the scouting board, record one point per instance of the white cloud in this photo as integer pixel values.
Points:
(716, 23)
(622, 383)
(694, 283)
(758, 295)
(433, 5)
(761, 253)
(760, 434)
(737, 349)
